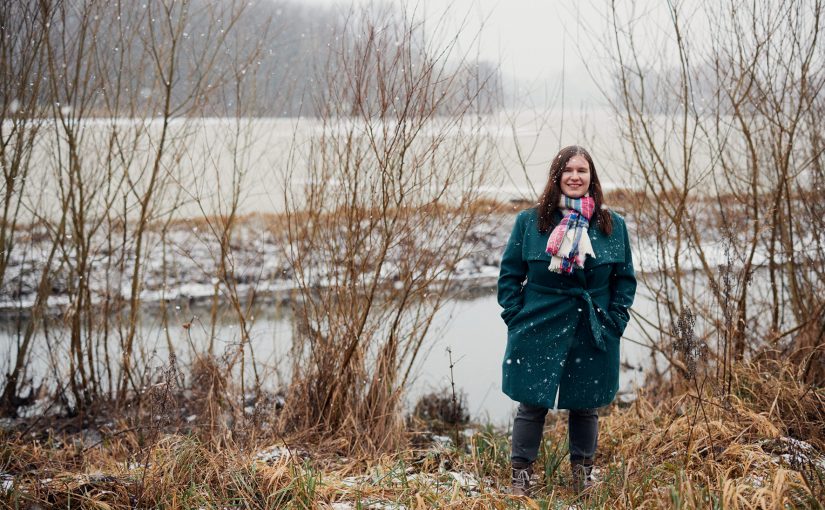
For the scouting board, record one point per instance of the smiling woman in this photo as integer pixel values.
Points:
(564, 320)
(575, 178)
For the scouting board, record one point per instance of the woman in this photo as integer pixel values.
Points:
(566, 284)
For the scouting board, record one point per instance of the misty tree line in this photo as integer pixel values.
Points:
(278, 48)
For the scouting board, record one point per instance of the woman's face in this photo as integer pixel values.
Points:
(575, 178)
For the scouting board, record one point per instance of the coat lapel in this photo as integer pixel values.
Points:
(608, 249)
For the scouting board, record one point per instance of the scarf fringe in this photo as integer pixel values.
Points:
(585, 249)
(567, 251)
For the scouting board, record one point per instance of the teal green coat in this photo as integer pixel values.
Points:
(563, 330)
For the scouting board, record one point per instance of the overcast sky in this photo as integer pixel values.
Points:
(536, 42)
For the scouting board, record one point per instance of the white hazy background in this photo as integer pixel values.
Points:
(550, 52)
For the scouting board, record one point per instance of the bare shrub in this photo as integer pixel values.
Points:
(383, 220)
(100, 130)
(722, 124)
(21, 64)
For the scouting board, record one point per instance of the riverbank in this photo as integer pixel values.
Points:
(183, 263)
(760, 446)
(183, 260)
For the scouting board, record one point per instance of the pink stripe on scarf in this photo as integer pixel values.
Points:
(583, 209)
(554, 243)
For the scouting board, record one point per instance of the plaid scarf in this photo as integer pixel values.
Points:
(569, 243)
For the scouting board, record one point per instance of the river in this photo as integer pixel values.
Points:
(469, 326)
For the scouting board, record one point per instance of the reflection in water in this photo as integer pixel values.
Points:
(470, 327)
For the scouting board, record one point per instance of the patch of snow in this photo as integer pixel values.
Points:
(442, 440)
(465, 480)
(755, 481)
(627, 397)
(796, 453)
(797, 444)
(276, 452)
(352, 481)
(6, 482)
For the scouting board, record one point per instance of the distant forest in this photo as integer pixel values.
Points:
(274, 57)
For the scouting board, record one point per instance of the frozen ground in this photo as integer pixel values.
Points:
(186, 265)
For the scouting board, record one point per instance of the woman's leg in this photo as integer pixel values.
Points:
(527, 430)
(583, 432)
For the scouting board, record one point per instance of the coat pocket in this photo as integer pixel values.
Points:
(519, 316)
(510, 313)
(609, 323)
(619, 324)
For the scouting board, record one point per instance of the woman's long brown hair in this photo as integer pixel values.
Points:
(549, 201)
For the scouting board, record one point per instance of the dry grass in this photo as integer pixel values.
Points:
(684, 451)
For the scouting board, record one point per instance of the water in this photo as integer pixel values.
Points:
(270, 156)
(470, 327)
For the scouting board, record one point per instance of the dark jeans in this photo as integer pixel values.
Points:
(582, 431)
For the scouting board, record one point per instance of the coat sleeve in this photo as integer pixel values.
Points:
(622, 286)
(513, 272)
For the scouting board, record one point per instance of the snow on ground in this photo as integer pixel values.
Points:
(185, 267)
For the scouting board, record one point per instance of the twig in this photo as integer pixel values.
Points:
(455, 410)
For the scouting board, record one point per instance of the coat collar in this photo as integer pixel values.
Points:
(608, 249)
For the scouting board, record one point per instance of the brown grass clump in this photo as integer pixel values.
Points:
(761, 446)
(742, 450)
(439, 412)
(624, 198)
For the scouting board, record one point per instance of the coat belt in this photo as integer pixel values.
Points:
(585, 295)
